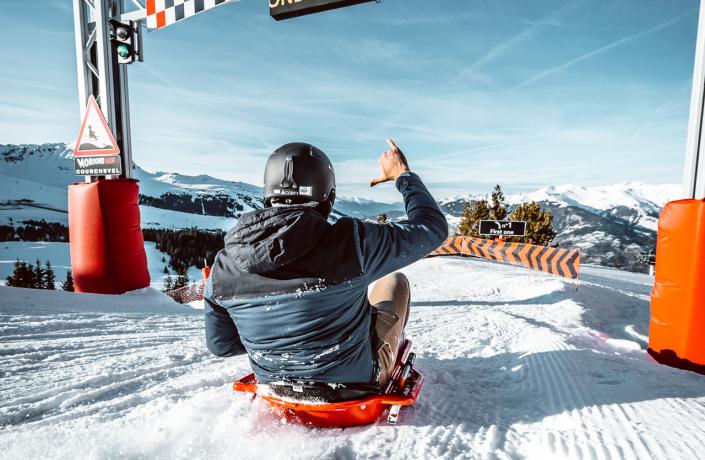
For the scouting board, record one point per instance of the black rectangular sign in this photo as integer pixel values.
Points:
(502, 228)
(98, 166)
(285, 9)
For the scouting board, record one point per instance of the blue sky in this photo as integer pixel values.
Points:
(476, 92)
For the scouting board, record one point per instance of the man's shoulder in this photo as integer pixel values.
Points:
(345, 223)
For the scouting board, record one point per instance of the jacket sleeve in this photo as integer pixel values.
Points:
(222, 337)
(385, 248)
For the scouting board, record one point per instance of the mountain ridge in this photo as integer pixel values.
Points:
(615, 225)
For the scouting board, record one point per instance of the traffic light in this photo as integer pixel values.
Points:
(123, 39)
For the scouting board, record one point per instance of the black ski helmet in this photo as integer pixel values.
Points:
(299, 173)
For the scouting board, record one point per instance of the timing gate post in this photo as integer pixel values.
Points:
(107, 247)
(676, 333)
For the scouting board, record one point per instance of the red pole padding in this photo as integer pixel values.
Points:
(107, 247)
(677, 335)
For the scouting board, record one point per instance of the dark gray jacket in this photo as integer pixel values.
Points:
(290, 289)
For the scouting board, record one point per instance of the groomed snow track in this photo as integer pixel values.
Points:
(518, 365)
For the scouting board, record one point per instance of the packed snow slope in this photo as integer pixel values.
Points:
(518, 364)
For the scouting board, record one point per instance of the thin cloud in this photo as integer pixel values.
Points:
(484, 148)
(603, 49)
(522, 37)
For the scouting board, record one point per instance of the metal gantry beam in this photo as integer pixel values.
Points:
(694, 167)
(99, 74)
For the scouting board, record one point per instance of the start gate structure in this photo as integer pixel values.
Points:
(107, 249)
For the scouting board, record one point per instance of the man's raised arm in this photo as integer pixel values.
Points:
(386, 248)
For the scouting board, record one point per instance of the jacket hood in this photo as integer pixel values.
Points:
(268, 239)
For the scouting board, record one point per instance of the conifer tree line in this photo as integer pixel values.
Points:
(539, 221)
(34, 230)
(215, 205)
(187, 248)
(36, 276)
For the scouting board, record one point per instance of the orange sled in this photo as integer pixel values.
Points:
(403, 390)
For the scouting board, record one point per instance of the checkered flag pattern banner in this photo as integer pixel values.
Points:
(162, 13)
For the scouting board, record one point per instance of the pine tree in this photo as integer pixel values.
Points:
(67, 285)
(465, 226)
(13, 278)
(22, 275)
(167, 285)
(38, 276)
(497, 210)
(472, 215)
(49, 278)
(539, 223)
(382, 218)
(182, 280)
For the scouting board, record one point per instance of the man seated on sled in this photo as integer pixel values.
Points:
(291, 289)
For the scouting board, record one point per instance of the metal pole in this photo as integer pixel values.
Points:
(694, 168)
(104, 61)
(99, 73)
(121, 103)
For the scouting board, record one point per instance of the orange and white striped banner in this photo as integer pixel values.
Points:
(557, 261)
(187, 294)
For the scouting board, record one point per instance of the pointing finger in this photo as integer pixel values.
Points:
(392, 144)
(378, 181)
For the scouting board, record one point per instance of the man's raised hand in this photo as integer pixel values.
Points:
(392, 163)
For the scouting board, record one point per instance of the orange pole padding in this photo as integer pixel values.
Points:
(676, 333)
(107, 246)
(563, 262)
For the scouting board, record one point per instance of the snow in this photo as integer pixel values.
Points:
(30, 304)
(518, 364)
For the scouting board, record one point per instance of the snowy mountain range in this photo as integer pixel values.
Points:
(34, 179)
(614, 225)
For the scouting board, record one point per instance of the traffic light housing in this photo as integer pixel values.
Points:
(124, 38)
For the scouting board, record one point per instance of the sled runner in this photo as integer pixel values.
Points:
(329, 406)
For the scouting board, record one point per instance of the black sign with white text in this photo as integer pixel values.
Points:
(502, 228)
(98, 166)
(285, 9)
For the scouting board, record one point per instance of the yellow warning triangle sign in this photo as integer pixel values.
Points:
(95, 138)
